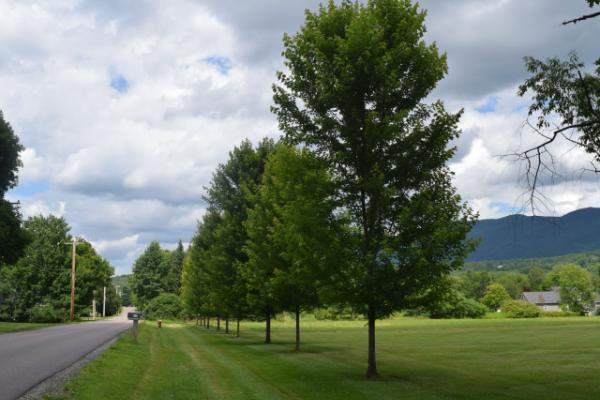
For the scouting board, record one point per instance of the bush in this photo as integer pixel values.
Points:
(520, 309)
(458, 306)
(164, 306)
(46, 313)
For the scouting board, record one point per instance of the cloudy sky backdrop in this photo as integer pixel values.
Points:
(125, 107)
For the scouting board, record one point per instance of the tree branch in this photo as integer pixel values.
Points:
(582, 18)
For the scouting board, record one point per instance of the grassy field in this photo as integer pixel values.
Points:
(6, 327)
(418, 359)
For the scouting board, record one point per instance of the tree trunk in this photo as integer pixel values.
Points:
(268, 329)
(218, 323)
(197, 320)
(297, 328)
(227, 325)
(237, 329)
(372, 369)
(208, 323)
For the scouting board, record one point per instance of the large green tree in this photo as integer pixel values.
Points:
(576, 287)
(150, 272)
(292, 243)
(12, 237)
(230, 196)
(357, 77)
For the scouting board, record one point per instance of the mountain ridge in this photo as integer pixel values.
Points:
(522, 236)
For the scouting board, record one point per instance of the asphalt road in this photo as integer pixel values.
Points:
(28, 358)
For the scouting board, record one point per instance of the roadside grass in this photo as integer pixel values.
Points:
(550, 358)
(7, 327)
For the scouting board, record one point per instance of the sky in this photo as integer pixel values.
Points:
(125, 107)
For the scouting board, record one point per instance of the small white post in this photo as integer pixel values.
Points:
(104, 303)
(94, 309)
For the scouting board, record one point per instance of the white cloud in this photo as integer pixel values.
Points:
(126, 162)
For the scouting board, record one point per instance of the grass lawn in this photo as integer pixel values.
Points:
(6, 327)
(554, 358)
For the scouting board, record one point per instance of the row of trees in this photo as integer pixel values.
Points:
(355, 206)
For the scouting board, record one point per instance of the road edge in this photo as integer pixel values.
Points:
(55, 385)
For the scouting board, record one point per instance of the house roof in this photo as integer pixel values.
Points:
(548, 297)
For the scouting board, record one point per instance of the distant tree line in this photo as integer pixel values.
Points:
(577, 286)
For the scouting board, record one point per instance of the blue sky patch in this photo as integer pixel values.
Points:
(489, 106)
(222, 63)
(119, 83)
(29, 189)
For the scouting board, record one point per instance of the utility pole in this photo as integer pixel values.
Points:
(104, 303)
(74, 243)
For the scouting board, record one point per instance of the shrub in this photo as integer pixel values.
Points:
(46, 313)
(520, 309)
(458, 306)
(164, 306)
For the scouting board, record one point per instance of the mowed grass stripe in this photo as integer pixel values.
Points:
(418, 359)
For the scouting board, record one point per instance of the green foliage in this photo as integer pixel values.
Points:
(536, 277)
(13, 238)
(514, 283)
(213, 277)
(357, 77)
(576, 287)
(43, 274)
(149, 274)
(126, 299)
(10, 162)
(520, 309)
(47, 313)
(454, 304)
(474, 283)
(175, 269)
(495, 296)
(292, 242)
(122, 284)
(164, 306)
(589, 261)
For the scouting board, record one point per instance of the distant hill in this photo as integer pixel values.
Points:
(121, 280)
(519, 236)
